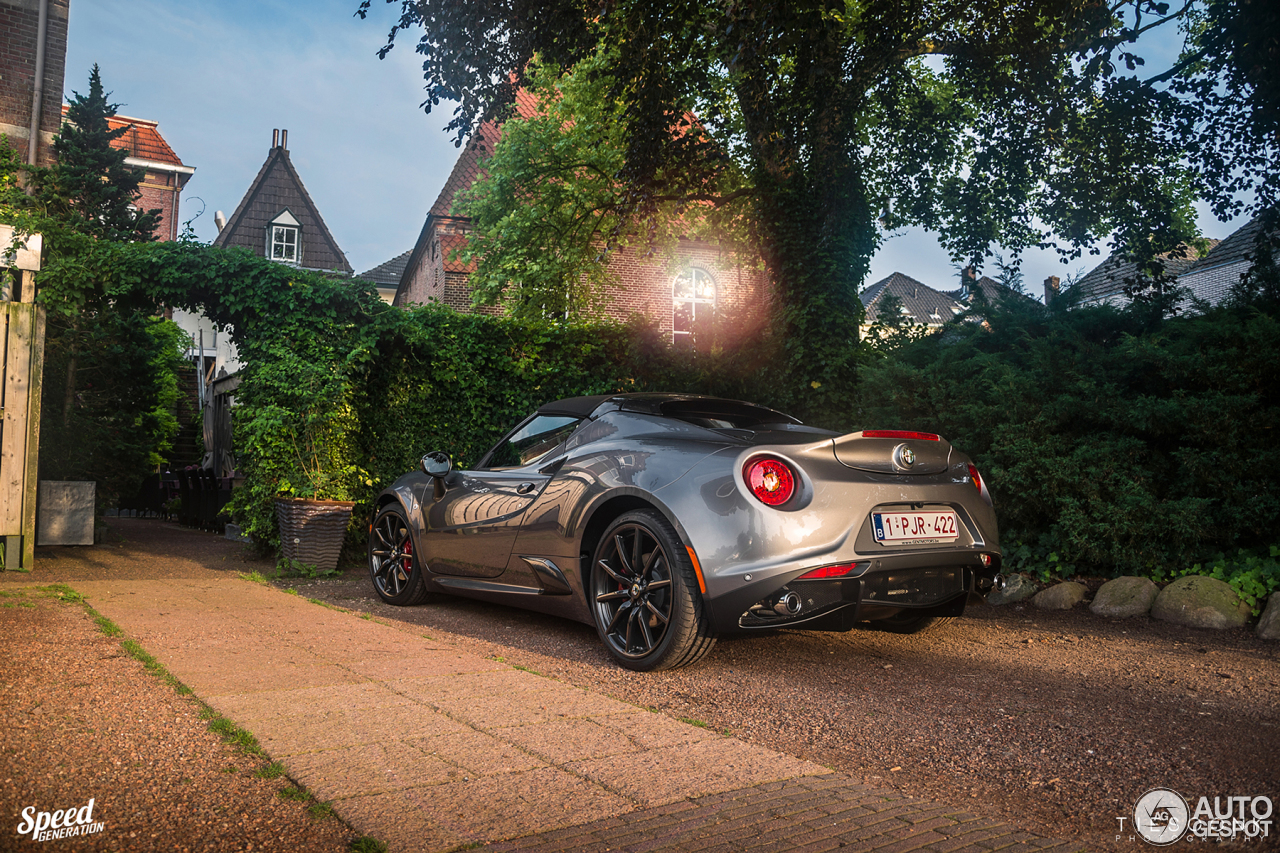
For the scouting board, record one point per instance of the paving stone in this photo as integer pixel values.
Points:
(480, 753)
(430, 748)
(369, 768)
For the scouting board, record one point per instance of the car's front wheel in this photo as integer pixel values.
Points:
(644, 595)
(393, 565)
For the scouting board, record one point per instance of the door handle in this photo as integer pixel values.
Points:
(524, 488)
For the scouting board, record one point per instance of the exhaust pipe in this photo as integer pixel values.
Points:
(788, 605)
(998, 583)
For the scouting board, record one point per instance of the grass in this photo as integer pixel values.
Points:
(231, 734)
(274, 770)
(236, 736)
(691, 721)
(368, 844)
(321, 811)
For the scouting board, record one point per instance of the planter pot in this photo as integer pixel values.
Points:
(65, 512)
(312, 531)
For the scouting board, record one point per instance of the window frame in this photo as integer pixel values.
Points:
(277, 229)
(567, 430)
(692, 273)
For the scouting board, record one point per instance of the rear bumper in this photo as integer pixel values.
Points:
(930, 584)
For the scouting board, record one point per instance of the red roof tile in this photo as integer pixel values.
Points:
(141, 140)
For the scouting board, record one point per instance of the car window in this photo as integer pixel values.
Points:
(532, 441)
(724, 414)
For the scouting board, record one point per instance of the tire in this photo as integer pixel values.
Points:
(393, 566)
(644, 595)
(909, 623)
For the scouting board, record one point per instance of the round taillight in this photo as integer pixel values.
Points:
(770, 480)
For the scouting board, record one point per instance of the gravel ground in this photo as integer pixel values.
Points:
(84, 720)
(1054, 722)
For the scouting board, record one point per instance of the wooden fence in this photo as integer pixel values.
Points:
(22, 344)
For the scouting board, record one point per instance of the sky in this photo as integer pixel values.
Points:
(220, 76)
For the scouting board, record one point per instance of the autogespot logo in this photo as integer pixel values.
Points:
(1161, 816)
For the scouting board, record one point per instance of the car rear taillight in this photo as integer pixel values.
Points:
(770, 480)
(837, 571)
(899, 433)
(975, 477)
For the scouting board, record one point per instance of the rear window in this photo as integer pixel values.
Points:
(723, 414)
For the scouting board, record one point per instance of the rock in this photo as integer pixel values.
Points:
(1016, 588)
(1121, 598)
(1269, 624)
(1200, 602)
(1061, 596)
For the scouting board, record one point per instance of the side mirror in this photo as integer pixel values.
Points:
(437, 464)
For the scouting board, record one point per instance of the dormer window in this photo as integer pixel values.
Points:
(284, 239)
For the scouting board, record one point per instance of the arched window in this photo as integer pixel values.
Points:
(694, 304)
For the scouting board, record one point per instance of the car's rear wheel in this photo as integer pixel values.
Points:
(393, 565)
(907, 622)
(644, 595)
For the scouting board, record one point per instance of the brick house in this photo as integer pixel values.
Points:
(683, 293)
(164, 174)
(21, 50)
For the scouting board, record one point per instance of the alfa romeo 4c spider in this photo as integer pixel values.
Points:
(665, 520)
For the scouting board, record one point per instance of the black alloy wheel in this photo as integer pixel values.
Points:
(393, 566)
(644, 595)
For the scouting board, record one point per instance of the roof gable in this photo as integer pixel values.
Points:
(923, 305)
(1239, 247)
(992, 291)
(141, 139)
(466, 169)
(278, 190)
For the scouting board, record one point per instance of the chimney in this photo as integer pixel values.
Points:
(967, 279)
(275, 138)
(284, 139)
(1051, 287)
(220, 220)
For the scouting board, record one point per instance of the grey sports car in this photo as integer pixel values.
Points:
(667, 519)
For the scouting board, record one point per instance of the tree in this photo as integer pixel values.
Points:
(549, 210)
(90, 185)
(109, 385)
(1009, 124)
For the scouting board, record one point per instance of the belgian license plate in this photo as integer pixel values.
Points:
(915, 528)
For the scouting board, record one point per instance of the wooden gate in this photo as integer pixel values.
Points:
(22, 344)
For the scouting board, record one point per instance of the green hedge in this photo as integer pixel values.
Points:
(1113, 443)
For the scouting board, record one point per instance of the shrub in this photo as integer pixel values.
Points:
(1119, 444)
